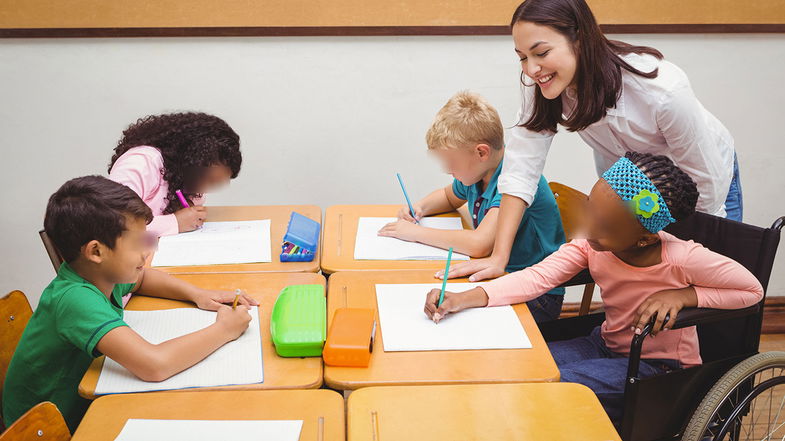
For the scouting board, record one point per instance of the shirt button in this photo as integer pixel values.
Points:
(474, 216)
(477, 204)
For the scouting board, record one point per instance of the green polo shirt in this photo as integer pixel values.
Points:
(58, 345)
(540, 232)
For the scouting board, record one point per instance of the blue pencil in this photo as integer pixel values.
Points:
(444, 281)
(406, 195)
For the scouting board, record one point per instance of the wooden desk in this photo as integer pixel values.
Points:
(279, 372)
(107, 415)
(553, 412)
(340, 231)
(279, 220)
(356, 289)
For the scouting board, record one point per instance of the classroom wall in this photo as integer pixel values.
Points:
(325, 120)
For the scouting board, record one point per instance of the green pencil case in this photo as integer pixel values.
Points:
(298, 324)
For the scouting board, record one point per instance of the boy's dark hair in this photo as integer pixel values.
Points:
(188, 142)
(90, 208)
(676, 187)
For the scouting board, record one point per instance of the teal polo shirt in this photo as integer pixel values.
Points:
(540, 232)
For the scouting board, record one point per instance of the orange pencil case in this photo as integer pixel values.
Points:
(350, 338)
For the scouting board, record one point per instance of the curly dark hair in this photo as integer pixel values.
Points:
(189, 142)
(91, 208)
(676, 187)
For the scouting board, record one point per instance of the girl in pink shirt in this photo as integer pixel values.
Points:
(160, 154)
(642, 272)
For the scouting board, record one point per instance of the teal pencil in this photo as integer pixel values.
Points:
(444, 281)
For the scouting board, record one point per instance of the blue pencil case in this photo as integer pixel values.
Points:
(301, 239)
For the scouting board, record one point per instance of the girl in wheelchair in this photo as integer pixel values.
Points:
(642, 271)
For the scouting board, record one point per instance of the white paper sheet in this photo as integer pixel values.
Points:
(370, 246)
(217, 243)
(237, 362)
(203, 430)
(405, 327)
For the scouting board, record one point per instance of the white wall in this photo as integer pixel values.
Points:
(324, 120)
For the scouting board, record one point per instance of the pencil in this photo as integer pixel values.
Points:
(406, 195)
(444, 281)
(236, 298)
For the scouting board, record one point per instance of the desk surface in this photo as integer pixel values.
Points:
(554, 412)
(107, 415)
(279, 220)
(356, 289)
(340, 232)
(279, 372)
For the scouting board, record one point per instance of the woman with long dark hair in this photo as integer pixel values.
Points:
(618, 97)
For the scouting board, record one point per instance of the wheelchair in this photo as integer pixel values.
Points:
(733, 395)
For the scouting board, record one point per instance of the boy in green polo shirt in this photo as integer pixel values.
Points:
(468, 138)
(99, 228)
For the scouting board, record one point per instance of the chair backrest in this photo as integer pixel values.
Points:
(754, 248)
(51, 250)
(41, 423)
(571, 203)
(15, 312)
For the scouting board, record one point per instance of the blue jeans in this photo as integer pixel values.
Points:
(546, 307)
(586, 360)
(734, 204)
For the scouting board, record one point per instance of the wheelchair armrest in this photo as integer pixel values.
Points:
(695, 316)
(582, 278)
(687, 317)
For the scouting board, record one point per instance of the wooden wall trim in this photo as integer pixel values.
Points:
(359, 31)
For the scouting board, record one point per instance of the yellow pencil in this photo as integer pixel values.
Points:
(236, 298)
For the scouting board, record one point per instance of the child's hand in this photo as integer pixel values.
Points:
(453, 302)
(663, 303)
(213, 300)
(401, 229)
(233, 321)
(477, 269)
(191, 218)
(404, 213)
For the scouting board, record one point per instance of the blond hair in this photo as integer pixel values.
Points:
(465, 121)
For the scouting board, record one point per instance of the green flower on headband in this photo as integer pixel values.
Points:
(646, 203)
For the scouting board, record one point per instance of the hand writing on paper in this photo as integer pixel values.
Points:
(191, 218)
(453, 302)
(401, 229)
(404, 213)
(233, 321)
(213, 300)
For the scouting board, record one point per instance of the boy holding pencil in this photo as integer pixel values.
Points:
(468, 139)
(99, 226)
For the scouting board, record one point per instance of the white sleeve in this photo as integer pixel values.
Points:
(524, 155)
(699, 144)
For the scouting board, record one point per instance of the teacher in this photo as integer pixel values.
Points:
(618, 97)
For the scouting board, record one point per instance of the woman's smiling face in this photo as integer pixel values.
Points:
(546, 55)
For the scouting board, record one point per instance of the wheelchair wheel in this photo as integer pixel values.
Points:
(747, 403)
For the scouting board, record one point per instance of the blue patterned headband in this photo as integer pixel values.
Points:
(631, 184)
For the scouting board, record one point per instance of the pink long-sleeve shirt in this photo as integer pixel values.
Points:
(719, 282)
(141, 169)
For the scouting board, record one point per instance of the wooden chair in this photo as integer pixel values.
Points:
(41, 423)
(571, 203)
(51, 250)
(15, 312)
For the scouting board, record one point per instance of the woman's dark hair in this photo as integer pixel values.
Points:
(91, 208)
(598, 73)
(676, 187)
(189, 143)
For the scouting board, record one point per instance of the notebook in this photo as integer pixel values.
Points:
(370, 246)
(217, 243)
(210, 430)
(405, 327)
(237, 362)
